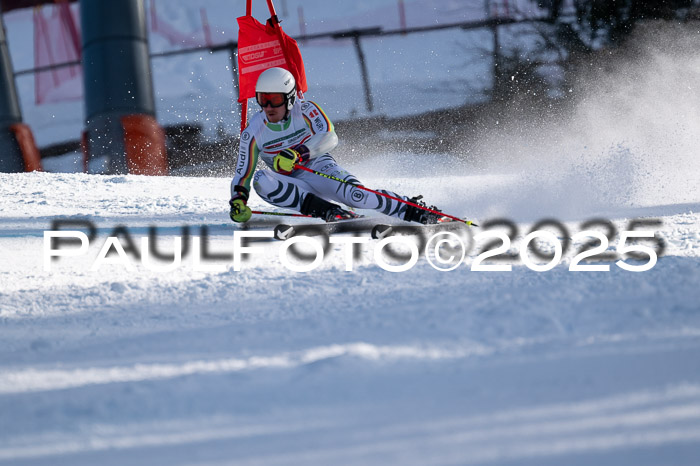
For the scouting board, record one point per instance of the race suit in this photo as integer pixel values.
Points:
(305, 124)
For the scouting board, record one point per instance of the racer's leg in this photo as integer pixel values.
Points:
(293, 193)
(281, 190)
(346, 193)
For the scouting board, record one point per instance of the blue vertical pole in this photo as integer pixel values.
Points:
(117, 76)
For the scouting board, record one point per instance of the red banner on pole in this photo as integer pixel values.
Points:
(259, 48)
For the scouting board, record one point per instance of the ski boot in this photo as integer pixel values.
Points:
(337, 213)
(321, 208)
(414, 214)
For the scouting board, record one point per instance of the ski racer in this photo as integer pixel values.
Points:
(289, 131)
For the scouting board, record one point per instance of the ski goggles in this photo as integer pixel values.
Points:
(275, 99)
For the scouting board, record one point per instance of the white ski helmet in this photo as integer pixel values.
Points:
(277, 80)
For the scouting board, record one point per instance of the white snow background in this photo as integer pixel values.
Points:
(268, 366)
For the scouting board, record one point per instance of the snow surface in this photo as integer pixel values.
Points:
(269, 366)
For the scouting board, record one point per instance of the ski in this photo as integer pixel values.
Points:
(359, 224)
(382, 230)
(369, 225)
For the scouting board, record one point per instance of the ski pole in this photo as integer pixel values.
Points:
(280, 214)
(412, 204)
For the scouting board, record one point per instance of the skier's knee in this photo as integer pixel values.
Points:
(264, 183)
(356, 198)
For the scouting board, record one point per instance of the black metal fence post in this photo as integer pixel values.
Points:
(356, 34)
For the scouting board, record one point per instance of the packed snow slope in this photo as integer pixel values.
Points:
(204, 364)
(269, 366)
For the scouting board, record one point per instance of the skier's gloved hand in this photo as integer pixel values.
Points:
(240, 212)
(303, 151)
(285, 160)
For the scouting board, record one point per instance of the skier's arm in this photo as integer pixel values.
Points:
(324, 138)
(245, 165)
